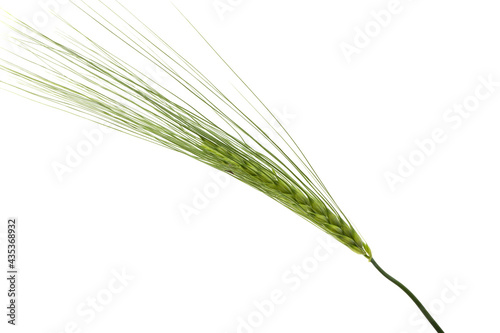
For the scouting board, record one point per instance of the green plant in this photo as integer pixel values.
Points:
(81, 76)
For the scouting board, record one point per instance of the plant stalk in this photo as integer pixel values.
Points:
(410, 294)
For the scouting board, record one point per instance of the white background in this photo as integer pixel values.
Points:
(120, 208)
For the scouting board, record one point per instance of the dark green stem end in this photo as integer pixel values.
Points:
(410, 294)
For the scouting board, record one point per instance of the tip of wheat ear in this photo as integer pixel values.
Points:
(288, 193)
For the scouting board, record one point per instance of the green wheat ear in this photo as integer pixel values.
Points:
(289, 194)
(78, 75)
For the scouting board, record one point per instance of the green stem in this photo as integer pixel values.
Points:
(409, 293)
